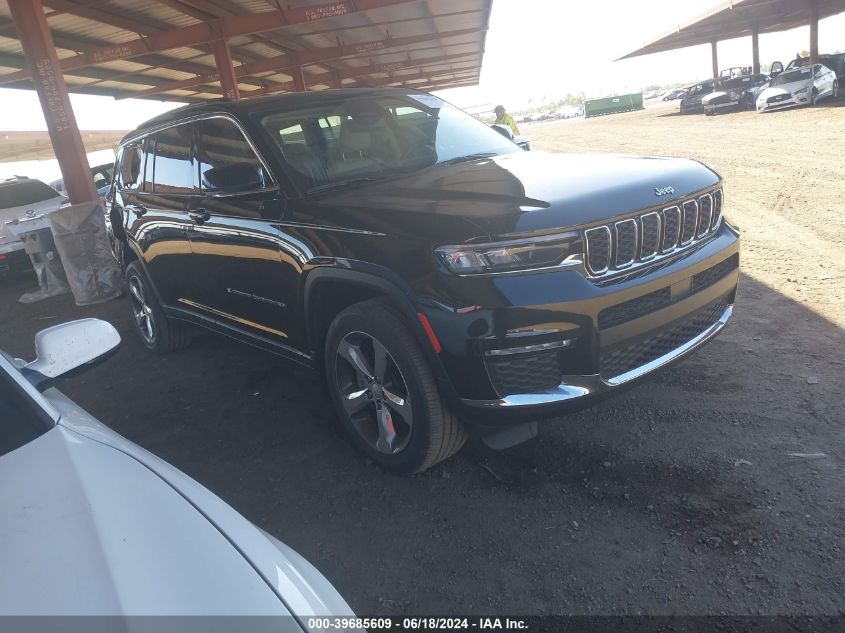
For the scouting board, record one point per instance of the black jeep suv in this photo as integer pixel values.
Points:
(439, 277)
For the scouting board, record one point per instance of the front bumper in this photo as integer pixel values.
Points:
(792, 102)
(583, 340)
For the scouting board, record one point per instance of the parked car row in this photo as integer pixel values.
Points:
(566, 112)
(800, 84)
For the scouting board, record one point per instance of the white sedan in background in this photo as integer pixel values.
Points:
(797, 87)
(92, 524)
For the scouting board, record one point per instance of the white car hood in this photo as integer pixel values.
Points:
(23, 211)
(87, 508)
(789, 88)
(712, 95)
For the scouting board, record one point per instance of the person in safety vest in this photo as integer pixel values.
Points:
(503, 118)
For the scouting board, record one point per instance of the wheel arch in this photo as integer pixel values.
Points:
(356, 285)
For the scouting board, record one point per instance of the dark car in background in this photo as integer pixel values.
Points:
(691, 102)
(677, 93)
(101, 174)
(736, 93)
(437, 277)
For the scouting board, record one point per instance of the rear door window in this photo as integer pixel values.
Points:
(174, 170)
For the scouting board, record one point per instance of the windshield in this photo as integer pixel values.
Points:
(374, 136)
(20, 194)
(801, 74)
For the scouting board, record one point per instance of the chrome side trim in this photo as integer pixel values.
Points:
(525, 349)
(202, 117)
(577, 387)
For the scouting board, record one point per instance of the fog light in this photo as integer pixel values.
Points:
(525, 349)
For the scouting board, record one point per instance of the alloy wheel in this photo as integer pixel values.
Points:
(374, 393)
(141, 310)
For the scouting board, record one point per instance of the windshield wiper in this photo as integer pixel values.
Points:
(466, 158)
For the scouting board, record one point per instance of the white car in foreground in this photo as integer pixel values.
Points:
(92, 524)
(797, 87)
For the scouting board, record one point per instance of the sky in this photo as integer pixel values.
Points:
(537, 51)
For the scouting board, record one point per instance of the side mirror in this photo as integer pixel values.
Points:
(233, 178)
(63, 349)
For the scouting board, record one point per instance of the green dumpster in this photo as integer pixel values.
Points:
(612, 105)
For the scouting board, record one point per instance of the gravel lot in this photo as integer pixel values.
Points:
(716, 488)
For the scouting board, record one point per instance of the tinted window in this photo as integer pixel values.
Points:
(26, 192)
(18, 424)
(174, 166)
(227, 162)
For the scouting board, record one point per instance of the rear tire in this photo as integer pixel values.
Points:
(158, 333)
(391, 408)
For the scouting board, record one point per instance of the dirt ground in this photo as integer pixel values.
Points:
(717, 488)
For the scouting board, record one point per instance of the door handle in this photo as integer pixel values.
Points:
(199, 215)
(137, 209)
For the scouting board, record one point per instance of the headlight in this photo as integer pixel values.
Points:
(549, 250)
(803, 91)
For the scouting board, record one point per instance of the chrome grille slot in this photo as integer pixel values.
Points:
(717, 208)
(649, 235)
(671, 228)
(598, 249)
(626, 242)
(652, 236)
(705, 214)
(689, 222)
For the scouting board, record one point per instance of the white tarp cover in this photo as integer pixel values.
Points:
(80, 234)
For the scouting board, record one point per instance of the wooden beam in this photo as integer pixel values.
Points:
(223, 59)
(303, 58)
(755, 51)
(206, 32)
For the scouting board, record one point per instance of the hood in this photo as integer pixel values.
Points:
(88, 530)
(789, 88)
(95, 525)
(519, 193)
(714, 95)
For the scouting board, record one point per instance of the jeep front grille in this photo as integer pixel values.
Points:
(644, 237)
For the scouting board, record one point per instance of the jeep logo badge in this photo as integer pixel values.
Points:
(663, 191)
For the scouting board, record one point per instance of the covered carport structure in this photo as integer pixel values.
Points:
(742, 18)
(194, 50)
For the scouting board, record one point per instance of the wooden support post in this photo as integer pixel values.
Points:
(715, 57)
(49, 83)
(755, 51)
(223, 59)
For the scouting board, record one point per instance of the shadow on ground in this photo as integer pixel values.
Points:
(679, 496)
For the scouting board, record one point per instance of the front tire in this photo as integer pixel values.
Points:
(384, 392)
(814, 97)
(158, 333)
